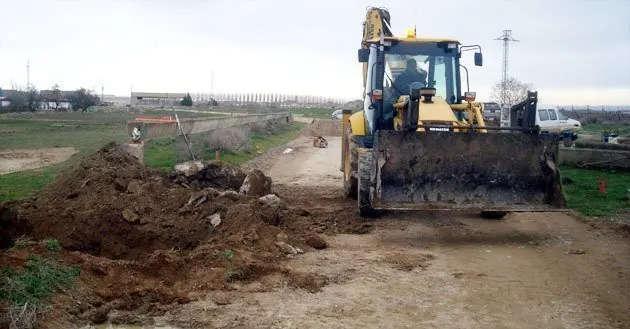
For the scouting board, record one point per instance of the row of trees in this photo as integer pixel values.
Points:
(32, 99)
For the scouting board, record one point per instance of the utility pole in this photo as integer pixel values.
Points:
(506, 37)
(28, 73)
(211, 85)
(102, 92)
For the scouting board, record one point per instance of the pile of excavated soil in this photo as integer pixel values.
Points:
(113, 206)
(147, 240)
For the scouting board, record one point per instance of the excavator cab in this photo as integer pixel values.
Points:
(420, 141)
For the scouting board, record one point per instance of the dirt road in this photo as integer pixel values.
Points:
(431, 270)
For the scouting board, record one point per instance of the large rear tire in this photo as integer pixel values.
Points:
(350, 184)
(364, 170)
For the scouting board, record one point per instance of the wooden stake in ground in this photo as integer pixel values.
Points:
(186, 141)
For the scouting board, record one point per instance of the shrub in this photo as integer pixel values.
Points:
(258, 128)
(231, 140)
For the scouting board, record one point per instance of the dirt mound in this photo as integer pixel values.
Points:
(115, 207)
(148, 239)
(324, 127)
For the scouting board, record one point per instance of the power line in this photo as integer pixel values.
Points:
(506, 37)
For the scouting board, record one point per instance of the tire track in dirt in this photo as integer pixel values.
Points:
(432, 270)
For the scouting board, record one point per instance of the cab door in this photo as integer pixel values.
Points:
(554, 122)
(543, 120)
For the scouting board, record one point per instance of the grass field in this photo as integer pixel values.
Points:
(622, 130)
(321, 113)
(87, 132)
(161, 153)
(582, 190)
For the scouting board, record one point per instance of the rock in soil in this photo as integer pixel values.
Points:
(286, 248)
(134, 188)
(215, 219)
(256, 184)
(316, 241)
(271, 200)
(282, 237)
(130, 216)
(189, 168)
(215, 174)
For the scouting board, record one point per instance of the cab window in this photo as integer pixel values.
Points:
(561, 116)
(543, 114)
(552, 115)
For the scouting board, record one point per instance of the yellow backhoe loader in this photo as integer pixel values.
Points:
(421, 143)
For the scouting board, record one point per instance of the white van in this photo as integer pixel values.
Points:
(553, 121)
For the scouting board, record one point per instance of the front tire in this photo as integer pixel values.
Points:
(364, 201)
(351, 147)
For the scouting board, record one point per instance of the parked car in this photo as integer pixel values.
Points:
(552, 120)
(491, 112)
(337, 114)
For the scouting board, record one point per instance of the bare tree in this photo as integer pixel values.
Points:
(56, 97)
(33, 98)
(515, 91)
(82, 100)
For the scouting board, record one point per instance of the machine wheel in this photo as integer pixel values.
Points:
(493, 214)
(350, 185)
(364, 203)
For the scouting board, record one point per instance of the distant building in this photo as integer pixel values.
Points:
(5, 101)
(52, 99)
(156, 99)
(115, 100)
(9, 95)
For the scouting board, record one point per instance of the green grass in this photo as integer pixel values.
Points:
(23, 184)
(622, 130)
(38, 278)
(161, 153)
(86, 132)
(226, 255)
(321, 113)
(583, 194)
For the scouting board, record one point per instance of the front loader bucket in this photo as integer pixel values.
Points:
(441, 170)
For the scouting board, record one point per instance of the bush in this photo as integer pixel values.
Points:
(258, 128)
(271, 127)
(231, 140)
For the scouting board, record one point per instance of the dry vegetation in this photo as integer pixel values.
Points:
(230, 139)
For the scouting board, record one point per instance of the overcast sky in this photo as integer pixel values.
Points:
(571, 51)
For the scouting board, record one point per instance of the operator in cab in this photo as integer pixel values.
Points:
(409, 76)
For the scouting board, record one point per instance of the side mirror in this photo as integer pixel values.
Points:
(364, 55)
(478, 59)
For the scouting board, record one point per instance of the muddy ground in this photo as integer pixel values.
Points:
(436, 270)
(405, 270)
